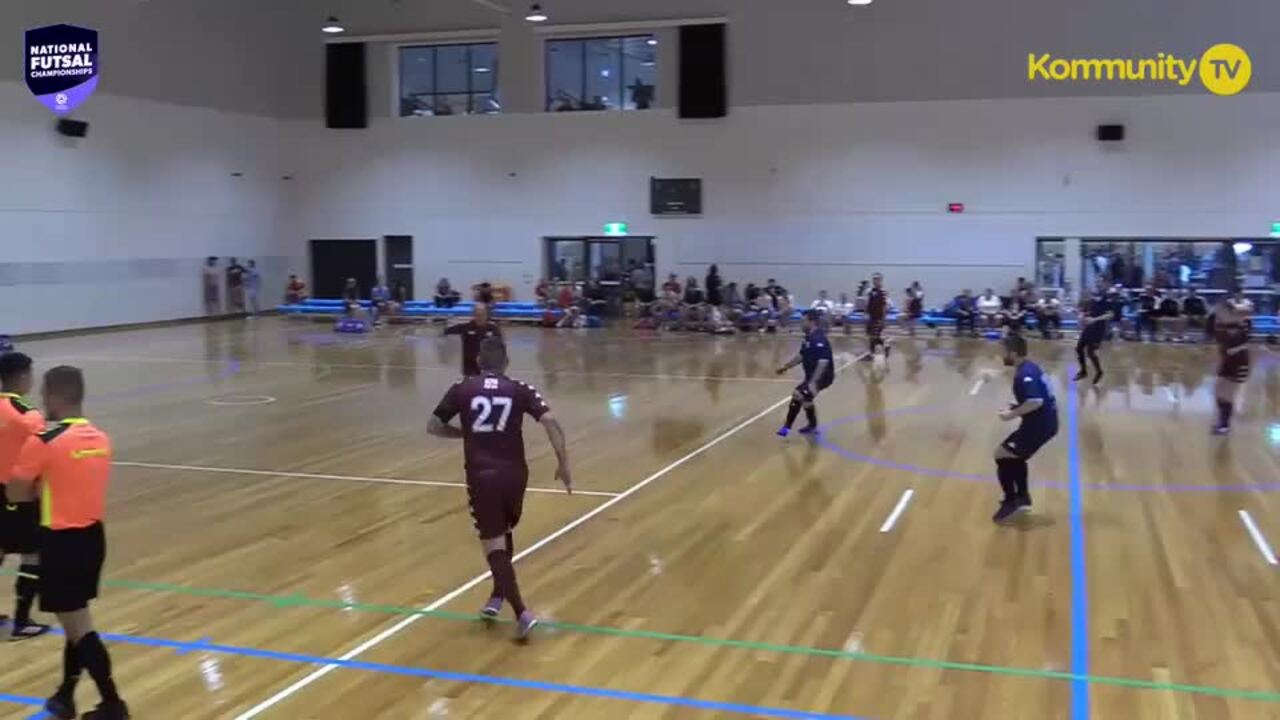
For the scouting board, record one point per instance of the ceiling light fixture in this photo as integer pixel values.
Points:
(332, 26)
(652, 41)
(859, 2)
(536, 15)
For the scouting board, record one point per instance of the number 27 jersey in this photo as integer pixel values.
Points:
(492, 409)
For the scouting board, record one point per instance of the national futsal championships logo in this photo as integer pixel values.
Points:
(1223, 69)
(61, 65)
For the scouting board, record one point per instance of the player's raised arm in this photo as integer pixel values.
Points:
(555, 434)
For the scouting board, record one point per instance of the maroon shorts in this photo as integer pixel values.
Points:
(497, 501)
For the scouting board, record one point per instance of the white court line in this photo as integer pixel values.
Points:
(897, 511)
(977, 385)
(1263, 546)
(349, 478)
(411, 619)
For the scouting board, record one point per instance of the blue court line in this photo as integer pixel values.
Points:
(448, 676)
(28, 701)
(1079, 578)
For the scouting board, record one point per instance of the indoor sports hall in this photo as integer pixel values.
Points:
(271, 237)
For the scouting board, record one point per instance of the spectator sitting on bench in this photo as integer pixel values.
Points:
(1049, 316)
(380, 300)
(593, 300)
(295, 291)
(1148, 312)
(1169, 318)
(1194, 309)
(990, 308)
(694, 311)
(351, 300)
(672, 284)
(483, 293)
(824, 306)
(446, 296)
(543, 293)
(842, 311)
(965, 313)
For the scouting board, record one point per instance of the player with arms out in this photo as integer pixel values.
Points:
(492, 409)
(473, 332)
(19, 521)
(1231, 328)
(819, 373)
(1038, 411)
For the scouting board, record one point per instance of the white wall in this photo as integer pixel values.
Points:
(111, 228)
(817, 196)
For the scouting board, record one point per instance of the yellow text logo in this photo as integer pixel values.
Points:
(1223, 69)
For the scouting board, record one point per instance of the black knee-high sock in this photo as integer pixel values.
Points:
(1224, 413)
(25, 588)
(70, 671)
(1020, 478)
(94, 657)
(504, 577)
(511, 551)
(811, 414)
(792, 411)
(1084, 367)
(1006, 471)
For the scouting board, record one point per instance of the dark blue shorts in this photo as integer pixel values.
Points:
(1029, 438)
(823, 383)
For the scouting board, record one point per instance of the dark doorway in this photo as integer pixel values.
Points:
(398, 254)
(333, 261)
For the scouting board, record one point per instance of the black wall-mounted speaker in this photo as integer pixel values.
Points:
(1110, 133)
(703, 88)
(72, 128)
(346, 97)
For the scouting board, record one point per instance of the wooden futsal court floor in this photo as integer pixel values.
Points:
(286, 542)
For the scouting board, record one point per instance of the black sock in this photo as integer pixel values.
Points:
(70, 671)
(1084, 367)
(1020, 478)
(792, 411)
(94, 657)
(811, 414)
(504, 577)
(1097, 364)
(1006, 472)
(1224, 414)
(25, 589)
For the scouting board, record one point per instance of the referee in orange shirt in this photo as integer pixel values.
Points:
(69, 464)
(19, 422)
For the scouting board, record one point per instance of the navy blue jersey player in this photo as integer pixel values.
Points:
(1038, 411)
(819, 373)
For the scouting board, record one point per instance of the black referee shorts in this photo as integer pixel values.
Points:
(70, 567)
(18, 525)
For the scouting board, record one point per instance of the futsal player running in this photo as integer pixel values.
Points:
(473, 332)
(70, 464)
(1036, 408)
(1093, 331)
(19, 521)
(1231, 328)
(819, 373)
(492, 409)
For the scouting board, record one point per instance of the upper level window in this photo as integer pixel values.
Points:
(612, 73)
(449, 80)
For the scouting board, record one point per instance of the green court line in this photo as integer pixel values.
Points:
(298, 600)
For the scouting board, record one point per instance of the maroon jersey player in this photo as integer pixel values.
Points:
(1232, 329)
(473, 332)
(491, 408)
(877, 314)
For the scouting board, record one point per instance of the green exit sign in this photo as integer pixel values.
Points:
(1275, 229)
(615, 228)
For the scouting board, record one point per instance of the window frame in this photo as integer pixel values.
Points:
(582, 41)
(397, 66)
